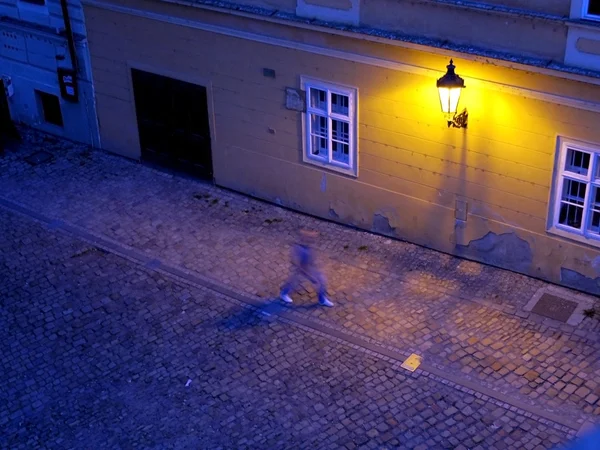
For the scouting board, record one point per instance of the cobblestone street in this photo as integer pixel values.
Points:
(96, 344)
(98, 350)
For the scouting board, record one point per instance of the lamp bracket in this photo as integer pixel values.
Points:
(459, 120)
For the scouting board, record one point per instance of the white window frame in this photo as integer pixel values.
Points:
(584, 12)
(560, 174)
(328, 163)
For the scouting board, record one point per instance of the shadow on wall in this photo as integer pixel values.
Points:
(507, 250)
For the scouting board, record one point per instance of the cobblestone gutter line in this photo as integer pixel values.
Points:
(276, 311)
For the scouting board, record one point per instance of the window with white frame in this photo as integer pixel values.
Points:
(577, 191)
(592, 8)
(330, 126)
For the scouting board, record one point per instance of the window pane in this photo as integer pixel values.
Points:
(594, 222)
(573, 191)
(570, 215)
(571, 208)
(594, 7)
(594, 216)
(318, 99)
(340, 152)
(339, 104)
(318, 146)
(319, 136)
(577, 162)
(318, 125)
(340, 131)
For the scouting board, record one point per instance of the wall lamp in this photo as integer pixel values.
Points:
(449, 88)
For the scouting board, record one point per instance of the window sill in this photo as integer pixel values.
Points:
(585, 23)
(353, 172)
(579, 237)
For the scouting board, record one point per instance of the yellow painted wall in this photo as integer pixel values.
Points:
(412, 168)
(519, 34)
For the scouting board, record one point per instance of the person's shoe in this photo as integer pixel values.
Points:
(286, 298)
(325, 302)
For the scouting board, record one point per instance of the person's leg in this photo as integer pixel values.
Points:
(318, 279)
(289, 286)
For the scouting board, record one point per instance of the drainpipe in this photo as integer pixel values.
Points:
(69, 32)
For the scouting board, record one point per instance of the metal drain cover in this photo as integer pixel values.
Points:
(554, 307)
(38, 158)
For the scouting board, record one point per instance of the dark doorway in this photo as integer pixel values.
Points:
(172, 117)
(8, 130)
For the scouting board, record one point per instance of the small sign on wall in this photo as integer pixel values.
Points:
(67, 80)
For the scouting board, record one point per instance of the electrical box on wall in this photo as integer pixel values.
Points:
(67, 80)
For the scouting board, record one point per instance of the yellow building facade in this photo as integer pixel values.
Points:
(336, 114)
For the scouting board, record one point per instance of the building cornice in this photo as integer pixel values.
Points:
(435, 46)
(498, 9)
(375, 61)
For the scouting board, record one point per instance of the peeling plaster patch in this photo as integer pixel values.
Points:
(294, 99)
(505, 250)
(579, 281)
(333, 214)
(324, 183)
(381, 224)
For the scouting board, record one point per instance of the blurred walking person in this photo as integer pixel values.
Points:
(304, 266)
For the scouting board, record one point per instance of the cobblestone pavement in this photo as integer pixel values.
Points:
(100, 352)
(462, 316)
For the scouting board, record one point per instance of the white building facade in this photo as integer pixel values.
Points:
(45, 68)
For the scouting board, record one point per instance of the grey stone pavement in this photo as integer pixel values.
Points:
(481, 349)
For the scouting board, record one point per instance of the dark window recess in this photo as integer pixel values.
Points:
(51, 108)
(594, 7)
(35, 2)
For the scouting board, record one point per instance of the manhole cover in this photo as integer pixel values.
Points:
(554, 307)
(38, 157)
